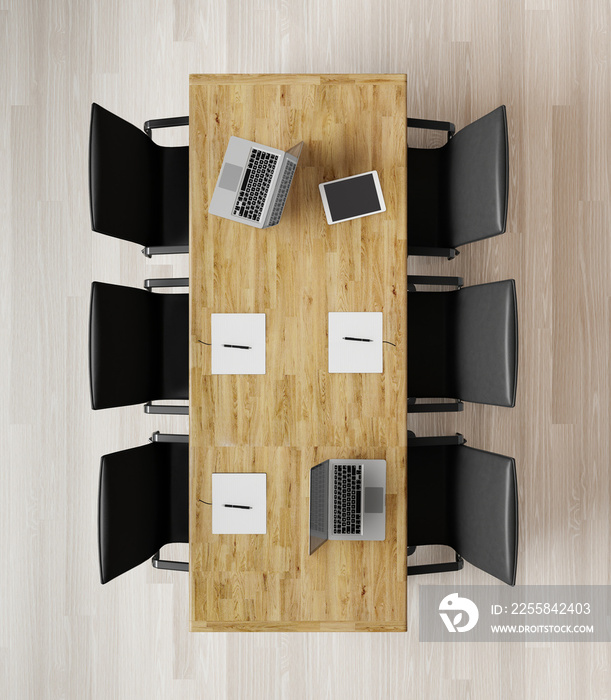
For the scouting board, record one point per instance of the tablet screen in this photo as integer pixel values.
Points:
(355, 196)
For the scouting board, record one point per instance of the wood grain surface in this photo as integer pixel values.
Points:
(297, 415)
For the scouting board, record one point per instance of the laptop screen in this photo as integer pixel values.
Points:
(319, 505)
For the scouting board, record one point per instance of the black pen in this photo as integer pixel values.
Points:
(360, 340)
(238, 347)
(229, 505)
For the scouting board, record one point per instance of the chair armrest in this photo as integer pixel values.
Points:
(164, 123)
(432, 124)
(149, 251)
(166, 282)
(456, 565)
(436, 280)
(454, 407)
(165, 410)
(167, 437)
(449, 253)
(442, 440)
(167, 564)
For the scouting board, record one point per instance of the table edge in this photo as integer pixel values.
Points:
(298, 626)
(300, 78)
(400, 625)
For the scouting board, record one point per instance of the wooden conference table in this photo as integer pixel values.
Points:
(296, 415)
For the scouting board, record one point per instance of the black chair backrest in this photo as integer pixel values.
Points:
(125, 183)
(138, 346)
(464, 344)
(477, 171)
(485, 356)
(466, 499)
(143, 504)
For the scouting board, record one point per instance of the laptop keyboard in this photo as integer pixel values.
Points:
(347, 493)
(283, 192)
(255, 185)
(319, 488)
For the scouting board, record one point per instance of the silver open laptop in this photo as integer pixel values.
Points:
(347, 501)
(254, 182)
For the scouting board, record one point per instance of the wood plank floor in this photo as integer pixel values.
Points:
(63, 635)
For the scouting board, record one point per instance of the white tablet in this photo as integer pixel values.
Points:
(352, 197)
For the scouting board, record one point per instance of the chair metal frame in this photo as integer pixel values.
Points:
(434, 280)
(434, 125)
(149, 125)
(156, 561)
(165, 409)
(441, 567)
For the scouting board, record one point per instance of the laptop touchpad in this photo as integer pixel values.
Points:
(374, 499)
(230, 177)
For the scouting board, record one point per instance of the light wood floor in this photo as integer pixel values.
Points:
(63, 635)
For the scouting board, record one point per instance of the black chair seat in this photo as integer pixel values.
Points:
(425, 198)
(175, 196)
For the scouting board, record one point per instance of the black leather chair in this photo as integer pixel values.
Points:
(143, 505)
(139, 346)
(462, 344)
(138, 191)
(457, 194)
(466, 499)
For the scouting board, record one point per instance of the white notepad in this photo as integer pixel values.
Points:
(247, 332)
(363, 356)
(241, 489)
